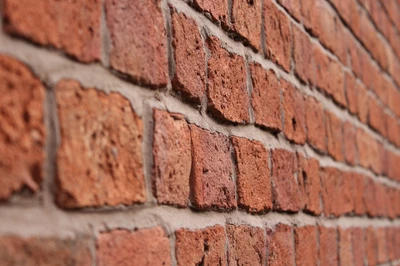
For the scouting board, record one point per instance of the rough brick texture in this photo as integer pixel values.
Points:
(280, 246)
(305, 239)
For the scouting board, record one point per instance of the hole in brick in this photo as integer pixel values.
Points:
(250, 2)
(305, 177)
(294, 123)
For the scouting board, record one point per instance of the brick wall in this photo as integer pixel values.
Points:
(200, 132)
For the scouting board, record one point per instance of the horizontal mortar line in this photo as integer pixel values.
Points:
(52, 68)
(240, 49)
(35, 220)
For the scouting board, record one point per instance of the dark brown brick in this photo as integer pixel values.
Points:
(328, 246)
(253, 175)
(315, 124)
(227, 94)
(22, 130)
(280, 246)
(99, 161)
(172, 158)
(121, 247)
(139, 41)
(309, 183)
(334, 136)
(211, 178)
(305, 240)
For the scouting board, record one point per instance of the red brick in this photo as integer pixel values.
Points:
(205, 246)
(382, 254)
(303, 56)
(394, 99)
(354, 52)
(376, 116)
(22, 133)
(349, 143)
(391, 243)
(44, 251)
(359, 245)
(278, 39)
(371, 246)
(393, 162)
(172, 158)
(246, 245)
(293, 7)
(374, 198)
(71, 26)
(334, 130)
(305, 240)
(391, 202)
(393, 129)
(328, 246)
(315, 124)
(392, 10)
(309, 183)
(285, 190)
(227, 94)
(99, 161)
(362, 103)
(266, 98)
(253, 175)
(336, 192)
(351, 93)
(368, 151)
(246, 21)
(121, 247)
(190, 57)
(280, 246)
(345, 247)
(394, 68)
(358, 191)
(350, 12)
(218, 10)
(139, 41)
(294, 113)
(329, 76)
(211, 178)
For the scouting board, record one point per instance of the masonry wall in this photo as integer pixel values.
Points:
(172, 132)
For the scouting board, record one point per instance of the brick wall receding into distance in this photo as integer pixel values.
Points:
(199, 132)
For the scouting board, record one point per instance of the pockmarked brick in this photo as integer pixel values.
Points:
(294, 113)
(207, 246)
(359, 244)
(71, 26)
(227, 94)
(345, 247)
(35, 251)
(22, 129)
(217, 9)
(246, 21)
(189, 55)
(123, 248)
(328, 246)
(252, 175)
(334, 132)
(172, 158)
(138, 40)
(265, 98)
(293, 7)
(315, 123)
(285, 190)
(305, 240)
(278, 38)
(246, 245)
(309, 183)
(349, 143)
(303, 56)
(99, 160)
(211, 178)
(280, 246)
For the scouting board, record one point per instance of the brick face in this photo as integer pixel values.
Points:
(308, 177)
(280, 245)
(305, 239)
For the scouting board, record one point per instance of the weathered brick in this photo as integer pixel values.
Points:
(246, 21)
(121, 247)
(315, 124)
(278, 39)
(293, 7)
(71, 26)
(285, 190)
(345, 247)
(99, 161)
(359, 245)
(349, 142)
(205, 246)
(334, 135)
(280, 246)
(266, 98)
(217, 9)
(303, 56)
(253, 175)
(294, 113)
(45, 251)
(190, 57)
(368, 151)
(351, 93)
(139, 41)
(328, 246)
(329, 76)
(371, 246)
(376, 116)
(309, 183)
(22, 130)
(246, 245)
(172, 158)
(373, 204)
(358, 192)
(227, 94)
(305, 240)
(211, 178)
